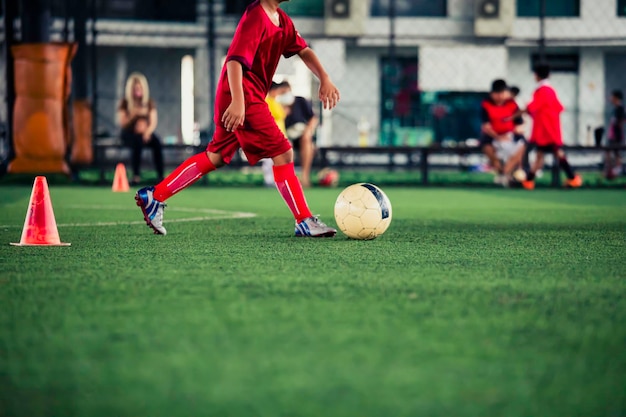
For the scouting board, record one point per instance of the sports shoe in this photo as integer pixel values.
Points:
(501, 180)
(575, 182)
(152, 210)
(529, 185)
(314, 227)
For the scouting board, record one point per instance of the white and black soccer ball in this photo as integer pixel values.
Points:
(363, 211)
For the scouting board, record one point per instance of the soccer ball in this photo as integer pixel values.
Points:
(328, 177)
(520, 175)
(363, 211)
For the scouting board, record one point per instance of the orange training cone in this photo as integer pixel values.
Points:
(120, 180)
(40, 227)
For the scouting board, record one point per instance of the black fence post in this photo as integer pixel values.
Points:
(212, 57)
(94, 78)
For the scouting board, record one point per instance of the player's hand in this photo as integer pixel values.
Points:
(234, 116)
(329, 94)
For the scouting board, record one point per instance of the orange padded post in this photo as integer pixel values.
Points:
(82, 151)
(40, 134)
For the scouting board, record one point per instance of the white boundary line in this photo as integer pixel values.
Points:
(213, 215)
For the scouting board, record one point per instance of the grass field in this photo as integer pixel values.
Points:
(474, 303)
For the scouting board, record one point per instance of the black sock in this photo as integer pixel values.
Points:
(566, 167)
(530, 176)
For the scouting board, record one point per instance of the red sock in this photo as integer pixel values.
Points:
(186, 174)
(290, 189)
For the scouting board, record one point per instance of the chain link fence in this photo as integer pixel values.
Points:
(411, 72)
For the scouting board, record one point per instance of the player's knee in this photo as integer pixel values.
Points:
(216, 159)
(285, 158)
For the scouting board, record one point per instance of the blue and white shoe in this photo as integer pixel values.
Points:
(314, 227)
(152, 210)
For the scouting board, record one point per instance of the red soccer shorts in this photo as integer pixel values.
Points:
(259, 137)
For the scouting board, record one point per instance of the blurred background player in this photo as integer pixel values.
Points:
(520, 131)
(279, 114)
(615, 136)
(301, 123)
(138, 118)
(243, 119)
(546, 137)
(498, 132)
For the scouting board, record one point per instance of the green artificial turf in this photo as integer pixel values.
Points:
(474, 303)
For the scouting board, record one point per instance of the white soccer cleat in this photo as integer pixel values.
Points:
(152, 209)
(314, 227)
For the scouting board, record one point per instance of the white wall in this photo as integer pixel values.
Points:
(591, 93)
(360, 96)
(598, 19)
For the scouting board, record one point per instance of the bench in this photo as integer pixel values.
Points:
(418, 156)
(108, 152)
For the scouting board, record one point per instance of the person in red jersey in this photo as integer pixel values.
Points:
(499, 141)
(243, 119)
(545, 110)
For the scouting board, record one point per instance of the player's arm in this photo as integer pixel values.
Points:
(518, 115)
(154, 121)
(235, 114)
(123, 118)
(487, 129)
(328, 94)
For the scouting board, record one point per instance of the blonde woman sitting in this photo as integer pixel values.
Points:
(138, 118)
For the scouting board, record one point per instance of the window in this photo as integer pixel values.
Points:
(400, 100)
(558, 62)
(621, 8)
(159, 10)
(554, 8)
(304, 8)
(415, 8)
(236, 7)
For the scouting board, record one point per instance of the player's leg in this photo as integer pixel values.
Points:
(617, 162)
(608, 165)
(529, 183)
(490, 152)
(307, 153)
(290, 189)
(187, 173)
(157, 155)
(135, 157)
(262, 139)
(573, 180)
(537, 165)
(514, 160)
(151, 200)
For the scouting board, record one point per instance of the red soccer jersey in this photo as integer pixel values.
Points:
(499, 116)
(545, 109)
(258, 45)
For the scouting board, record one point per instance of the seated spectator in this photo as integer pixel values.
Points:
(279, 114)
(615, 136)
(301, 123)
(501, 140)
(138, 118)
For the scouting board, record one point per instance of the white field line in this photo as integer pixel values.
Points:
(212, 215)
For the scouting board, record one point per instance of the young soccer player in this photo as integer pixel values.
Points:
(545, 109)
(615, 135)
(498, 139)
(243, 120)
